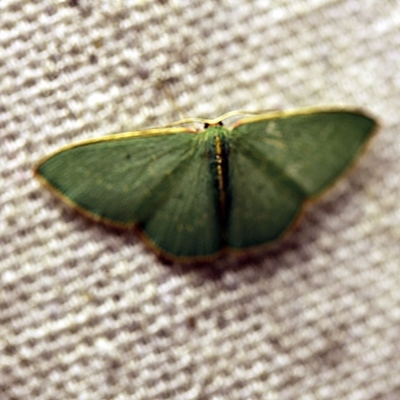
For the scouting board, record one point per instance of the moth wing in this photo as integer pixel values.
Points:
(160, 182)
(278, 162)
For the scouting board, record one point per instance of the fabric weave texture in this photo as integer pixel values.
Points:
(87, 312)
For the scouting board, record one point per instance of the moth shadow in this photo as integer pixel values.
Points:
(297, 247)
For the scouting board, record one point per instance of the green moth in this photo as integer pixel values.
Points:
(196, 193)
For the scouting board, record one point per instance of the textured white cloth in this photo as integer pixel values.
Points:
(89, 313)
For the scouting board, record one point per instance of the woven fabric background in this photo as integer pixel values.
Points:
(89, 313)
